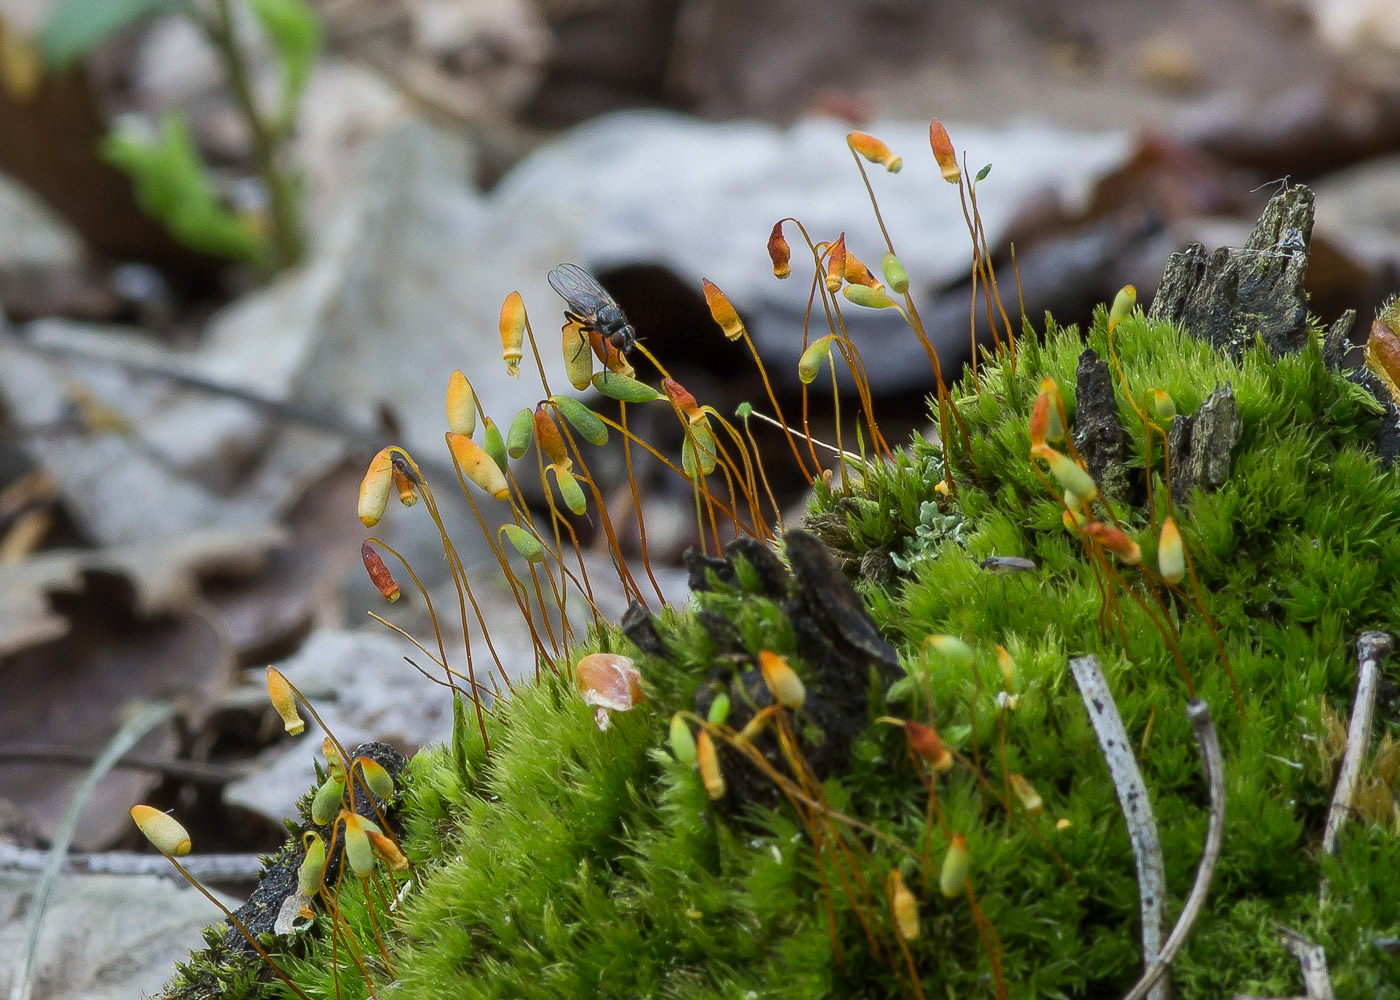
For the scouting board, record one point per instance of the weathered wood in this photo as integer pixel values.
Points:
(1201, 444)
(1232, 297)
(1098, 435)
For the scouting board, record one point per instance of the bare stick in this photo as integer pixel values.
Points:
(1132, 797)
(1317, 981)
(1371, 648)
(1203, 729)
(207, 867)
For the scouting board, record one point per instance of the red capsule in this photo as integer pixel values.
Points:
(379, 573)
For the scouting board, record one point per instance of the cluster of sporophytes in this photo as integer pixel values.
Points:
(807, 785)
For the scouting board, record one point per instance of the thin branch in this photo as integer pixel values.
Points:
(193, 771)
(1132, 798)
(1371, 648)
(1213, 763)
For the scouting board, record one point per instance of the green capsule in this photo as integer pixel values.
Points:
(699, 451)
(494, 445)
(719, 710)
(895, 275)
(589, 425)
(525, 543)
(570, 490)
(871, 298)
(682, 740)
(624, 389)
(813, 357)
(309, 874)
(376, 777)
(522, 429)
(326, 803)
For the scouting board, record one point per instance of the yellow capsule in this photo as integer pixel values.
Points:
(280, 691)
(722, 310)
(782, 680)
(578, 355)
(512, 332)
(757, 724)
(1123, 304)
(813, 357)
(461, 405)
(1026, 793)
(953, 875)
(950, 647)
(903, 906)
(162, 830)
(1070, 474)
(1062, 824)
(709, 765)
(358, 849)
(1163, 408)
(376, 777)
(1171, 554)
(374, 488)
(478, 466)
(569, 489)
(1007, 664)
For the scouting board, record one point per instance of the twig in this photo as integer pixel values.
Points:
(1317, 981)
(206, 867)
(126, 737)
(1132, 797)
(1371, 648)
(1203, 729)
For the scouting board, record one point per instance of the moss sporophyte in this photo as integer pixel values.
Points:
(941, 739)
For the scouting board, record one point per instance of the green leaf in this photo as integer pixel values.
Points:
(295, 33)
(173, 185)
(76, 27)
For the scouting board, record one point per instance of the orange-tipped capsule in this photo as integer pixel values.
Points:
(358, 849)
(813, 357)
(1116, 541)
(610, 682)
(162, 830)
(681, 740)
(925, 741)
(875, 151)
(1171, 553)
(550, 441)
(1025, 793)
(782, 680)
(478, 466)
(903, 906)
(779, 251)
(461, 405)
(858, 274)
(512, 332)
(376, 777)
(953, 875)
(335, 763)
(869, 298)
(1054, 428)
(836, 264)
(722, 310)
(379, 575)
(709, 765)
(280, 691)
(1161, 405)
(578, 355)
(680, 396)
(943, 152)
(388, 850)
(1123, 304)
(374, 488)
(1007, 664)
(895, 274)
(1070, 474)
(403, 482)
(952, 648)
(757, 724)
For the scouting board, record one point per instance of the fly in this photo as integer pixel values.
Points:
(590, 306)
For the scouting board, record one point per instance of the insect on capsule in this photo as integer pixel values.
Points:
(590, 305)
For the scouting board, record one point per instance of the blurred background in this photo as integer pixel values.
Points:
(243, 243)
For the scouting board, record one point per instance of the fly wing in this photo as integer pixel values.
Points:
(577, 287)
